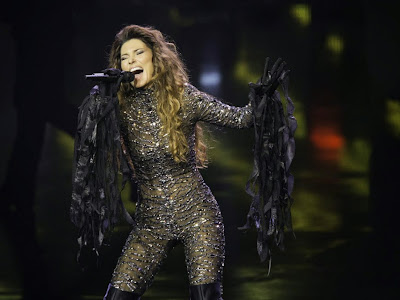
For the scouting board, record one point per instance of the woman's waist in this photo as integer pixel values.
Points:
(160, 172)
(169, 185)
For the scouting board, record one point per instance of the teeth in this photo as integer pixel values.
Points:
(136, 69)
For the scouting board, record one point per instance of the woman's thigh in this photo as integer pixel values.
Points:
(204, 243)
(142, 255)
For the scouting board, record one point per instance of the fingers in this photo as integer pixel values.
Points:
(280, 69)
(119, 83)
(275, 73)
(112, 72)
(265, 74)
(270, 80)
(277, 64)
(284, 75)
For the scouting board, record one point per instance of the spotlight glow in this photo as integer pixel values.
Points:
(302, 14)
(335, 44)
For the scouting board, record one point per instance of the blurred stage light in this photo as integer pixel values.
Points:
(314, 211)
(243, 72)
(328, 141)
(302, 14)
(355, 155)
(392, 116)
(210, 78)
(335, 44)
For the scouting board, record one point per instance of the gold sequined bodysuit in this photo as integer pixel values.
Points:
(174, 202)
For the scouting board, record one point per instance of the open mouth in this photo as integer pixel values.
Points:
(137, 70)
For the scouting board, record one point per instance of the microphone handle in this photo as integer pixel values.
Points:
(103, 77)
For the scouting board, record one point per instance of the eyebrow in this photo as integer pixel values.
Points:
(133, 51)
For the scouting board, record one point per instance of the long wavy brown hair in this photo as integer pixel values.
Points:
(168, 81)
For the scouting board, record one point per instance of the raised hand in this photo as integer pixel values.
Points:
(270, 79)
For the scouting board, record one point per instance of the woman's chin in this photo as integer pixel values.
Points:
(136, 84)
(140, 84)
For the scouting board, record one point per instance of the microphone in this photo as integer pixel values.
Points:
(113, 75)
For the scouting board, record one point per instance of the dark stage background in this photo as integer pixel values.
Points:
(345, 84)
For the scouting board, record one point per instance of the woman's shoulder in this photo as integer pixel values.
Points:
(190, 90)
(191, 97)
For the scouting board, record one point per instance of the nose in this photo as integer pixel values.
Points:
(131, 60)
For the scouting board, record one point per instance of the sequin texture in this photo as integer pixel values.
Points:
(174, 202)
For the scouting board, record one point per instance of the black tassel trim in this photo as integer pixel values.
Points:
(96, 201)
(270, 184)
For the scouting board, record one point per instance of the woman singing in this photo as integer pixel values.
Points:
(158, 118)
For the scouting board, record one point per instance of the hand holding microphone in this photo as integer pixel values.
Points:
(109, 80)
(112, 75)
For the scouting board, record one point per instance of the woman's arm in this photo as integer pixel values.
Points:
(209, 109)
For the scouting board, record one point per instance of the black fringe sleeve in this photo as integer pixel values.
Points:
(98, 157)
(270, 184)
